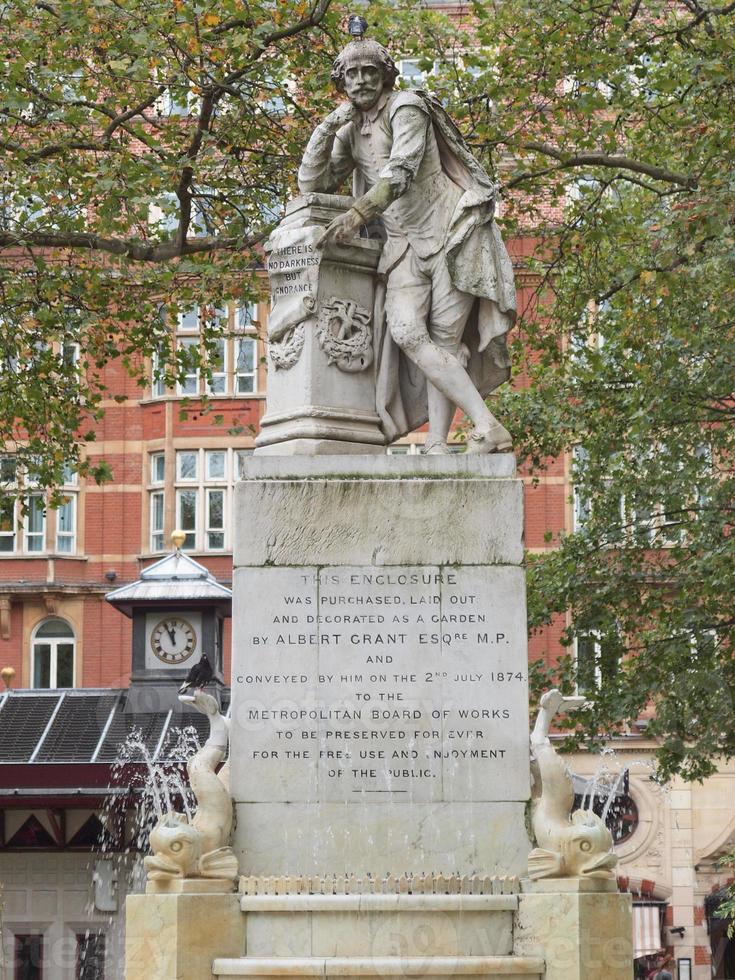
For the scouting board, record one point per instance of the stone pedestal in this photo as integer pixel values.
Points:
(176, 936)
(322, 339)
(380, 936)
(582, 928)
(379, 679)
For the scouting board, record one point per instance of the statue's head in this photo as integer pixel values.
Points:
(362, 70)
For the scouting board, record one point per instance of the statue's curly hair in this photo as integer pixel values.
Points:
(369, 50)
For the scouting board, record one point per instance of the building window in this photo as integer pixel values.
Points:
(597, 656)
(28, 956)
(66, 526)
(232, 356)
(410, 73)
(186, 516)
(187, 464)
(34, 522)
(218, 365)
(53, 654)
(203, 484)
(90, 956)
(157, 519)
(215, 520)
(202, 495)
(158, 467)
(158, 382)
(7, 525)
(188, 386)
(24, 524)
(246, 366)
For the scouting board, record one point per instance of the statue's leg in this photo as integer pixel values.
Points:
(447, 318)
(441, 412)
(407, 307)
(450, 308)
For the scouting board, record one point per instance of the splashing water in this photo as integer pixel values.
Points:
(147, 786)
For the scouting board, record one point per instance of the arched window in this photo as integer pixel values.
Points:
(53, 654)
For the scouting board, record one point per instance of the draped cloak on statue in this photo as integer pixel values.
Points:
(478, 264)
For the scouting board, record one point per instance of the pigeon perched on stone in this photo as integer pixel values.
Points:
(199, 676)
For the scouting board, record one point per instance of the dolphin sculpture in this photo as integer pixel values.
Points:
(579, 845)
(199, 848)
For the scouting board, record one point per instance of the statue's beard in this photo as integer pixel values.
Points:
(365, 99)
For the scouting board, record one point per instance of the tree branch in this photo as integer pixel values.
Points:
(138, 250)
(671, 267)
(613, 161)
(315, 17)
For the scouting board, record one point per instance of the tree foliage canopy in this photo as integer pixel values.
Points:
(147, 145)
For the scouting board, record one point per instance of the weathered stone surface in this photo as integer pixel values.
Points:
(408, 682)
(417, 520)
(379, 711)
(321, 337)
(498, 466)
(444, 928)
(177, 937)
(581, 936)
(327, 838)
(439, 967)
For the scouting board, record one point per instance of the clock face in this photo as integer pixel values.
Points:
(173, 640)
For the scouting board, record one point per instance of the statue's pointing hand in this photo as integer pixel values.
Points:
(342, 229)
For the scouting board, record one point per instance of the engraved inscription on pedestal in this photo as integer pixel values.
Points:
(372, 684)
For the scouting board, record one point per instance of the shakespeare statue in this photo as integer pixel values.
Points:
(445, 298)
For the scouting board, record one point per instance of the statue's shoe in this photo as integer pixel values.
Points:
(435, 447)
(495, 439)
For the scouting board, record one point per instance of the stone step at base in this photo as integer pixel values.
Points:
(498, 967)
(378, 926)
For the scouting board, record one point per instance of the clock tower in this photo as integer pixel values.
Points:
(178, 610)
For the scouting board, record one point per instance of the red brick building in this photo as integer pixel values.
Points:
(62, 900)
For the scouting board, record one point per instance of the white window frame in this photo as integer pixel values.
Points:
(158, 383)
(54, 643)
(239, 327)
(191, 532)
(29, 535)
(191, 377)
(246, 318)
(157, 534)
(594, 636)
(180, 453)
(155, 458)
(221, 376)
(68, 537)
(210, 529)
(239, 341)
(73, 347)
(210, 477)
(9, 503)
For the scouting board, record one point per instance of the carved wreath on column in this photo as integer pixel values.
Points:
(285, 353)
(345, 334)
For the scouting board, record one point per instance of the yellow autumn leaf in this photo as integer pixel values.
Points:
(211, 20)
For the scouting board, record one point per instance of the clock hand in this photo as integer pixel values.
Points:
(172, 634)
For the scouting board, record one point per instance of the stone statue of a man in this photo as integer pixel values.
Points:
(447, 293)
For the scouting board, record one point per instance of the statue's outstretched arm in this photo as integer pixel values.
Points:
(410, 125)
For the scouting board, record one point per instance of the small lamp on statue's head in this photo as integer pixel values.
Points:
(356, 27)
(8, 676)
